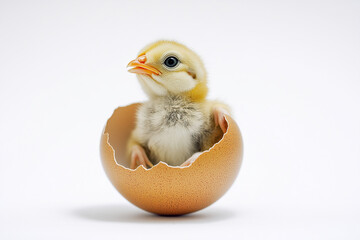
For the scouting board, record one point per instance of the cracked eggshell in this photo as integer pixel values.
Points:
(168, 190)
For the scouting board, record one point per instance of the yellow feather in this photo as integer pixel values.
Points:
(198, 93)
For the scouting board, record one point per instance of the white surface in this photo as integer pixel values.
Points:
(290, 70)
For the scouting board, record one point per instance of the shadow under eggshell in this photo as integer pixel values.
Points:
(164, 189)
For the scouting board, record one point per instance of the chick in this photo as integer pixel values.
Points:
(177, 122)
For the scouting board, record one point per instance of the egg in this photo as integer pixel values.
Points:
(164, 189)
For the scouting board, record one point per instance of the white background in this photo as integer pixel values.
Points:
(289, 69)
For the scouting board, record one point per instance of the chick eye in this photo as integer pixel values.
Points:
(171, 62)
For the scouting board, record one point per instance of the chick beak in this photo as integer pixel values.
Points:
(138, 66)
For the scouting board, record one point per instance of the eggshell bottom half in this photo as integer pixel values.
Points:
(163, 189)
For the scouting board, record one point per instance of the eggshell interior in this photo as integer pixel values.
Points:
(168, 190)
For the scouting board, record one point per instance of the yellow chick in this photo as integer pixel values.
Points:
(178, 122)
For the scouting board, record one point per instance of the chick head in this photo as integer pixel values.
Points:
(167, 67)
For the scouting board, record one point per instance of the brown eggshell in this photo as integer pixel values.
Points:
(168, 190)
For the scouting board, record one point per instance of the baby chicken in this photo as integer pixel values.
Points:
(177, 122)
